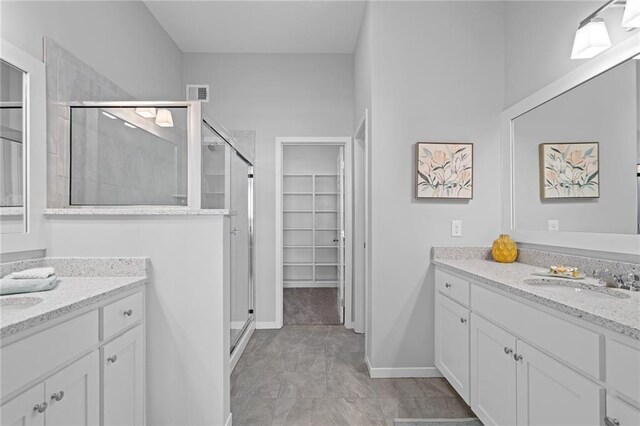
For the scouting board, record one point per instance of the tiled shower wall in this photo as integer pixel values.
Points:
(126, 171)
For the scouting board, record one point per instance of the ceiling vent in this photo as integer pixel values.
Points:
(198, 92)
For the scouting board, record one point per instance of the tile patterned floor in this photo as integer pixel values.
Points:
(311, 306)
(316, 375)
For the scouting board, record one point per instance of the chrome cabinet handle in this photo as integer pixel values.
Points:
(40, 408)
(508, 351)
(463, 320)
(128, 312)
(112, 359)
(609, 421)
(58, 396)
(517, 357)
(447, 285)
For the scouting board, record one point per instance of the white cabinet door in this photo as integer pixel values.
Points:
(621, 413)
(452, 344)
(549, 393)
(493, 373)
(27, 409)
(73, 394)
(123, 379)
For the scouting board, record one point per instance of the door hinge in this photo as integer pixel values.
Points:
(342, 302)
(342, 165)
(250, 311)
(365, 244)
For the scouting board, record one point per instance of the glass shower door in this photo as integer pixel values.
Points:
(241, 296)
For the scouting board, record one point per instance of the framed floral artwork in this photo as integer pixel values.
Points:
(569, 170)
(444, 170)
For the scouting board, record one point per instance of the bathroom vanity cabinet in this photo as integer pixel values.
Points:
(84, 368)
(518, 362)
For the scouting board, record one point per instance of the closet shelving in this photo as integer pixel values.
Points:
(310, 226)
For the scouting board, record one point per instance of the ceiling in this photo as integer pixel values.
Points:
(253, 26)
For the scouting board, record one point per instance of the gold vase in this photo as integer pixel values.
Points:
(504, 249)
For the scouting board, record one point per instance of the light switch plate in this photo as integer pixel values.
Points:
(456, 228)
(554, 225)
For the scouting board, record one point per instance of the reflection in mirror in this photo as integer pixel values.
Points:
(12, 142)
(575, 161)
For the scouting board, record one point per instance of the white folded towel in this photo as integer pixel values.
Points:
(13, 286)
(34, 273)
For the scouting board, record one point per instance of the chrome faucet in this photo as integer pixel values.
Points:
(630, 281)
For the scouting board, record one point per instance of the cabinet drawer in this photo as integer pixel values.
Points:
(623, 413)
(453, 286)
(33, 356)
(623, 368)
(121, 314)
(566, 341)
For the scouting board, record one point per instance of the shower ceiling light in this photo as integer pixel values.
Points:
(631, 17)
(146, 112)
(591, 39)
(164, 118)
(111, 116)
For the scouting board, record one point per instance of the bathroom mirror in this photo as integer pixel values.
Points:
(23, 172)
(571, 155)
(12, 152)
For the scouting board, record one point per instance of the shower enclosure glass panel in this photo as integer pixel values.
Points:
(128, 156)
(215, 152)
(241, 281)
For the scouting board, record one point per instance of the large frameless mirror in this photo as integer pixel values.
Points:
(13, 140)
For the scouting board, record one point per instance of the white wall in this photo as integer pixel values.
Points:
(187, 305)
(120, 39)
(539, 38)
(274, 95)
(602, 110)
(437, 75)
(310, 159)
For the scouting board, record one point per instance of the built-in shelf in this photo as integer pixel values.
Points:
(310, 206)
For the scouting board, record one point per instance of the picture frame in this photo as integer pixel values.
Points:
(444, 170)
(569, 170)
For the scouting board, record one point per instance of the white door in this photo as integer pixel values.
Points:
(27, 409)
(73, 394)
(493, 373)
(122, 389)
(550, 393)
(452, 344)
(340, 238)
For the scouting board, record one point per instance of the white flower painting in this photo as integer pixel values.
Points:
(444, 170)
(569, 170)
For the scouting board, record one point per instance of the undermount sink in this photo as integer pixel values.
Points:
(16, 304)
(589, 290)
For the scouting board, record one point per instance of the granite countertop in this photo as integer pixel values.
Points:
(71, 294)
(619, 315)
(141, 211)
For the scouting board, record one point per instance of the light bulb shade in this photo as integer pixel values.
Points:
(631, 17)
(591, 39)
(146, 112)
(164, 118)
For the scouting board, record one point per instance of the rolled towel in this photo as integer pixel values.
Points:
(14, 286)
(34, 273)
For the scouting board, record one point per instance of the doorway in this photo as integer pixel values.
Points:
(313, 250)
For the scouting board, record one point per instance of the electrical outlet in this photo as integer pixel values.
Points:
(554, 225)
(456, 228)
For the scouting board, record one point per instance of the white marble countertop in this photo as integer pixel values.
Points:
(71, 294)
(137, 211)
(619, 315)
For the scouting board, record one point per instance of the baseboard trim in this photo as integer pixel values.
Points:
(242, 344)
(267, 325)
(229, 422)
(400, 373)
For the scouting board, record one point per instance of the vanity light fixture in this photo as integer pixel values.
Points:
(111, 116)
(591, 39)
(164, 118)
(130, 125)
(146, 112)
(631, 17)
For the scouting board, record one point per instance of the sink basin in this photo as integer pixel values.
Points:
(11, 305)
(584, 289)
